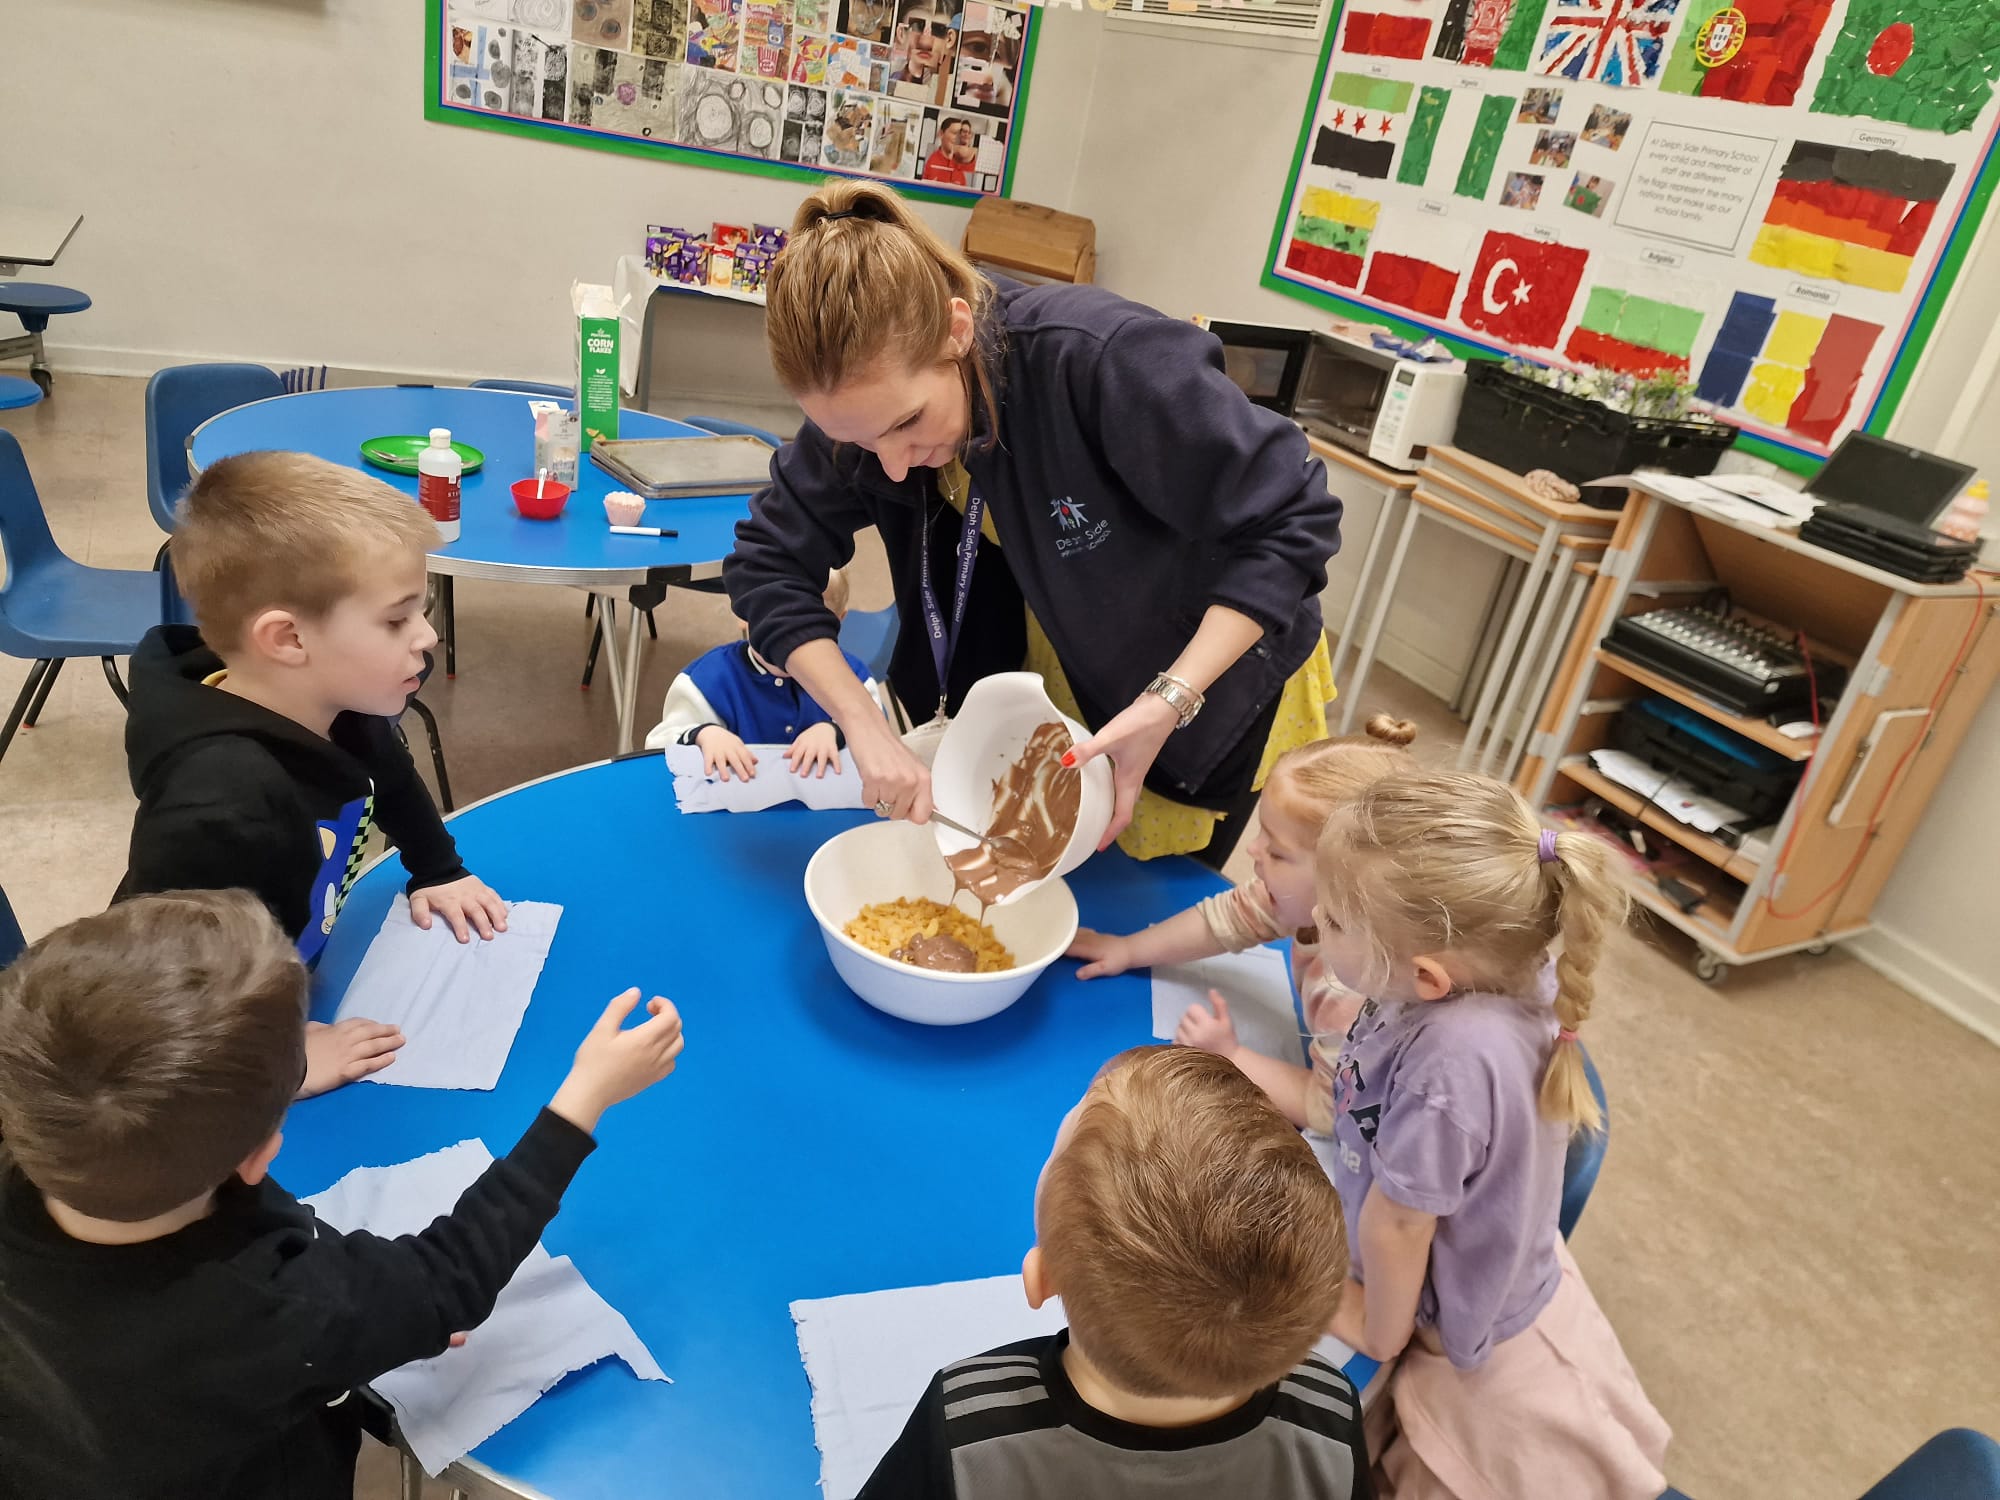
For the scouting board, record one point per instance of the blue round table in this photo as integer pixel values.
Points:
(807, 1146)
(576, 550)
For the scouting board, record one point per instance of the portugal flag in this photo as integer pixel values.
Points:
(1520, 289)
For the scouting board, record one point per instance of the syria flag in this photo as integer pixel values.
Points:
(1520, 289)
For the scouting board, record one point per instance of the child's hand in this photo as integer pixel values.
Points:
(466, 905)
(1210, 1032)
(613, 1064)
(814, 751)
(1106, 954)
(345, 1051)
(722, 752)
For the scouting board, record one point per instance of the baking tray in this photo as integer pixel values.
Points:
(664, 468)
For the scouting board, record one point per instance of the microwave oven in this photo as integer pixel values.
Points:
(1346, 390)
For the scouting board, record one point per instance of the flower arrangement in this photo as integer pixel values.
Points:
(1666, 395)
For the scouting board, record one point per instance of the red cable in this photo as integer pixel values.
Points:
(1895, 775)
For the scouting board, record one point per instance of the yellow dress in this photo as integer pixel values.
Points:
(1160, 825)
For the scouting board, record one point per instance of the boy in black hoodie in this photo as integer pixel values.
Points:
(175, 1324)
(262, 746)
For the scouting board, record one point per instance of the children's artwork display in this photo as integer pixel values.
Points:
(1772, 197)
(925, 94)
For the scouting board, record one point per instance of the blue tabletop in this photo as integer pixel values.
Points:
(807, 1146)
(494, 539)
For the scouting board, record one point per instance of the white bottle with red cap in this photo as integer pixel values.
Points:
(439, 469)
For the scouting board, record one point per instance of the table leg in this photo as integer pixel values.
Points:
(1525, 665)
(1573, 595)
(628, 710)
(614, 662)
(1510, 638)
(1384, 519)
(1351, 692)
(449, 610)
(1476, 665)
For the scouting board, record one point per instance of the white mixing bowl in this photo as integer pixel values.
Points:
(889, 861)
(984, 739)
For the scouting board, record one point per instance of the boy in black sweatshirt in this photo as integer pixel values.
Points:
(173, 1324)
(262, 747)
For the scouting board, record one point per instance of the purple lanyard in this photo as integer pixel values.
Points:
(944, 639)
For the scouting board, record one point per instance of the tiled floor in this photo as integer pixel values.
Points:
(1798, 1227)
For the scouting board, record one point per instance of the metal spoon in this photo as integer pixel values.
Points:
(1006, 851)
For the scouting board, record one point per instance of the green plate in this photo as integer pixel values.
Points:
(399, 454)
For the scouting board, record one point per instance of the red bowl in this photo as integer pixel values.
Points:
(547, 506)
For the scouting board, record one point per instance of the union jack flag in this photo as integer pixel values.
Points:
(1619, 42)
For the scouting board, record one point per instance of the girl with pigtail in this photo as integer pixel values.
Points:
(1476, 934)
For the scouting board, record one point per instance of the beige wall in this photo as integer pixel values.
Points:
(1937, 932)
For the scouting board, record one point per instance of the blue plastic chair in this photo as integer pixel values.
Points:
(34, 303)
(723, 427)
(53, 607)
(11, 941)
(1957, 1464)
(1586, 1154)
(16, 392)
(526, 388)
(871, 635)
(178, 400)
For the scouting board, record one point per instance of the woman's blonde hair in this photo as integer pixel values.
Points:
(863, 279)
(1311, 781)
(1445, 862)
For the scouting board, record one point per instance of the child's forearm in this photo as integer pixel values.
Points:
(1396, 1250)
(1285, 1084)
(1181, 938)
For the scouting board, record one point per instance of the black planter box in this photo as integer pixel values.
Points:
(1520, 425)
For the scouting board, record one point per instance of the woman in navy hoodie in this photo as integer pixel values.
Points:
(1063, 480)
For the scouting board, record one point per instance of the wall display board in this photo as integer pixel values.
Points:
(925, 94)
(1773, 196)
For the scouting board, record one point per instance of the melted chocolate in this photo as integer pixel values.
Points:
(941, 952)
(1035, 807)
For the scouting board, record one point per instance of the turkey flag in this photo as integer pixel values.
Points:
(1520, 289)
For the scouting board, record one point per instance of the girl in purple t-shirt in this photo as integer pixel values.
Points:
(1442, 898)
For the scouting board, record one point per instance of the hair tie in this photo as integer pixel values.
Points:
(1545, 850)
(845, 213)
(1565, 1034)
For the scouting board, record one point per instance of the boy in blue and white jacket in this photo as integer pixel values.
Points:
(731, 698)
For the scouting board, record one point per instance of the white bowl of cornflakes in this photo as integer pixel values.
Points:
(878, 888)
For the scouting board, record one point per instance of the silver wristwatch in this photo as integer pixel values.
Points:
(1181, 698)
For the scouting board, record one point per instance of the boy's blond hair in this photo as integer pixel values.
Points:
(1309, 782)
(1449, 862)
(149, 1050)
(286, 530)
(1196, 1243)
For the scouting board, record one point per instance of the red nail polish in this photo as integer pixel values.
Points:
(1069, 759)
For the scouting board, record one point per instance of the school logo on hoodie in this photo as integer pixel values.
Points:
(1076, 533)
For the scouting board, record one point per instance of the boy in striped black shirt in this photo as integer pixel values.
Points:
(1199, 1251)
